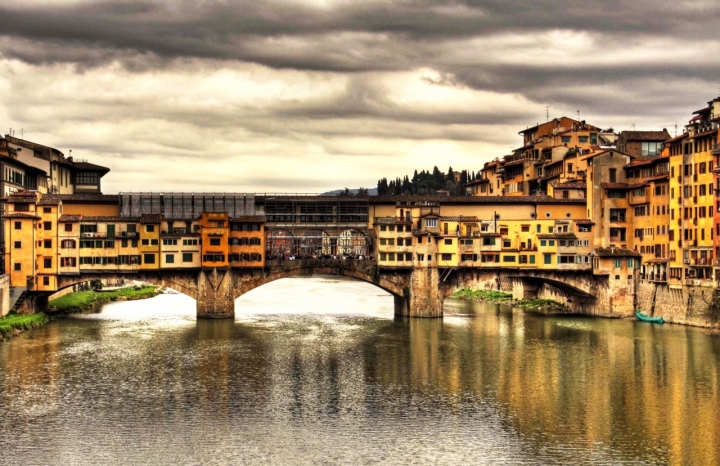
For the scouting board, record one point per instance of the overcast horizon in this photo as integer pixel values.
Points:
(310, 96)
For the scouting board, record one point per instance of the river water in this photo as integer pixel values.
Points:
(319, 371)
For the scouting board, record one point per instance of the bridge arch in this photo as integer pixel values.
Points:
(302, 268)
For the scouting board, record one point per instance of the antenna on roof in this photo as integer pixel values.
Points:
(632, 125)
(578, 114)
(22, 133)
(547, 113)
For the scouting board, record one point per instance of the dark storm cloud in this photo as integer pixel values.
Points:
(237, 30)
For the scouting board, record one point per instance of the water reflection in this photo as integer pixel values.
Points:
(318, 370)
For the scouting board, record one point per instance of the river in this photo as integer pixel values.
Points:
(319, 371)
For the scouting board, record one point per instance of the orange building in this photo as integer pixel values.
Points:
(247, 241)
(215, 239)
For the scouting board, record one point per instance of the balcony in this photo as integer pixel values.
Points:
(620, 218)
(701, 262)
(715, 150)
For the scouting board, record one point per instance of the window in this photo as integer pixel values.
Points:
(169, 258)
(67, 244)
(383, 256)
(255, 241)
(430, 222)
(47, 262)
(187, 257)
(47, 225)
(46, 281)
(131, 228)
(47, 243)
(46, 210)
(565, 139)
(613, 175)
(617, 263)
(488, 242)
(68, 227)
(525, 228)
(190, 242)
(651, 148)
(532, 259)
(17, 244)
(86, 178)
(149, 228)
(67, 262)
(448, 241)
(18, 225)
(109, 244)
(214, 258)
(146, 242)
(148, 258)
(170, 242)
(547, 258)
(630, 263)
(543, 242)
(214, 241)
(509, 259)
(507, 243)
(446, 257)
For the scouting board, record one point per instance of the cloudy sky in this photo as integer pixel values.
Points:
(311, 95)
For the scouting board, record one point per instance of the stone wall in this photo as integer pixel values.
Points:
(4, 294)
(688, 305)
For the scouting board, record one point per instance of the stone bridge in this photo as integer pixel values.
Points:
(415, 291)
(418, 292)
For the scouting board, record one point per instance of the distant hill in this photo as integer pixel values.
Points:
(371, 192)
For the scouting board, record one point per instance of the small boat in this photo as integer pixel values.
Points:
(644, 318)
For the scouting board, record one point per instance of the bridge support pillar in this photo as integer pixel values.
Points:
(422, 298)
(215, 294)
(524, 289)
(34, 303)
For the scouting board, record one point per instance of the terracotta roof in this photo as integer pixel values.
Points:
(639, 163)
(677, 138)
(663, 176)
(48, 201)
(514, 162)
(67, 218)
(657, 260)
(111, 219)
(476, 199)
(706, 133)
(702, 110)
(150, 218)
(102, 198)
(20, 215)
(249, 218)
(570, 185)
(480, 181)
(645, 135)
(621, 185)
(557, 236)
(615, 252)
(90, 167)
(460, 219)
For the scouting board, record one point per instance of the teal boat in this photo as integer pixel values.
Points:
(644, 318)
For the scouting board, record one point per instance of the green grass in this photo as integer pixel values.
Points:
(21, 322)
(83, 300)
(490, 296)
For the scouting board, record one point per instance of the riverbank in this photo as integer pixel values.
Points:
(14, 324)
(86, 300)
(545, 306)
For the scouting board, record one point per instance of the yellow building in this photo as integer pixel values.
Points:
(21, 220)
(149, 245)
(180, 246)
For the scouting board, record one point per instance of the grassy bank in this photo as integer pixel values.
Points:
(84, 300)
(500, 297)
(490, 296)
(15, 323)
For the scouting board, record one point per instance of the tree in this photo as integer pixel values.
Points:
(362, 192)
